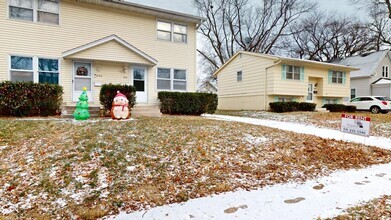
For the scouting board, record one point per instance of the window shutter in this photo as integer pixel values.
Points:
(344, 78)
(330, 76)
(302, 73)
(275, 98)
(283, 72)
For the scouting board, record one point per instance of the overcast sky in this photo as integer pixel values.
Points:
(186, 6)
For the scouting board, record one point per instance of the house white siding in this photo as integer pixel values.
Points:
(82, 23)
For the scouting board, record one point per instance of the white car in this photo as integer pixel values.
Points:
(374, 104)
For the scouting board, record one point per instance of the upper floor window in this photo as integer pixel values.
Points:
(337, 77)
(171, 79)
(34, 69)
(293, 72)
(239, 76)
(45, 11)
(385, 72)
(171, 32)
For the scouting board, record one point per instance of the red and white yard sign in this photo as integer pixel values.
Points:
(355, 124)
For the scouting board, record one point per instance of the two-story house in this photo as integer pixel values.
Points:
(374, 77)
(87, 43)
(250, 81)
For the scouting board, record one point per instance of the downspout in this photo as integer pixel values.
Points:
(265, 83)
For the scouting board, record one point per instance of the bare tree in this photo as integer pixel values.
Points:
(384, 4)
(327, 37)
(233, 25)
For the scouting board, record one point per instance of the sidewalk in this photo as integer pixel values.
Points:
(286, 201)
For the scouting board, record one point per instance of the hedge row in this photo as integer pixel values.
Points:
(339, 108)
(291, 106)
(187, 103)
(109, 91)
(29, 99)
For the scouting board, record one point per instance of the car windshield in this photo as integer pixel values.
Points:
(382, 98)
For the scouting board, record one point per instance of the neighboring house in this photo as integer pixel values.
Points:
(207, 86)
(87, 43)
(373, 77)
(250, 81)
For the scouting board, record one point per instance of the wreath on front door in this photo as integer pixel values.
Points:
(82, 71)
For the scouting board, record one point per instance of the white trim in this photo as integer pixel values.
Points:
(140, 8)
(172, 23)
(146, 89)
(35, 13)
(172, 79)
(385, 74)
(312, 93)
(90, 98)
(107, 39)
(35, 63)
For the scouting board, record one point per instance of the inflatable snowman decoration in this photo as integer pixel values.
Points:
(120, 107)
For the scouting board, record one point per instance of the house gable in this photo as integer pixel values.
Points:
(368, 64)
(111, 48)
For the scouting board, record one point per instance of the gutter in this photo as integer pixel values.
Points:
(265, 83)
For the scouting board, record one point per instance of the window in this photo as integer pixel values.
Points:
(45, 11)
(337, 77)
(239, 76)
(385, 72)
(21, 9)
(180, 33)
(352, 93)
(171, 79)
(48, 71)
(171, 32)
(293, 72)
(21, 69)
(330, 101)
(34, 69)
(164, 30)
(284, 99)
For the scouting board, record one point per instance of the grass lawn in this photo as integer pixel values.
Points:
(380, 123)
(67, 169)
(379, 208)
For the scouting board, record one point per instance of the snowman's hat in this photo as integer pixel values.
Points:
(120, 95)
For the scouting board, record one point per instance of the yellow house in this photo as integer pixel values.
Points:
(250, 81)
(87, 43)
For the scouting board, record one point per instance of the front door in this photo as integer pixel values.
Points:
(82, 78)
(310, 95)
(139, 77)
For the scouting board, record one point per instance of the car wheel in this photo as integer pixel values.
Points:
(375, 110)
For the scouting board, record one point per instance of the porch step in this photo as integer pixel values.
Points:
(149, 110)
(67, 111)
(324, 110)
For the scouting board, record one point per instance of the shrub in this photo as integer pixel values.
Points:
(284, 106)
(109, 91)
(187, 103)
(350, 108)
(307, 106)
(339, 108)
(29, 99)
(291, 106)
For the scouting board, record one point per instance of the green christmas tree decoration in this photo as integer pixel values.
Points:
(81, 112)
